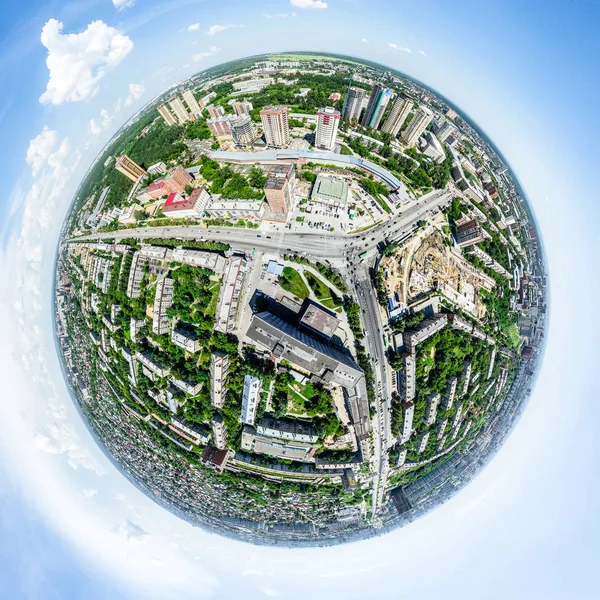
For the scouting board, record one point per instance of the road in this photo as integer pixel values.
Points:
(341, 251)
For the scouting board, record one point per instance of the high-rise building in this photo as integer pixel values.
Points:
(215, 111)
(220, 126)
(280, 188)
(191, 101)
(328, 121)
(378, 102)
(275, 125)
(408, 414)
(445, 130)
(167, 115)
(129, 168)
(219, 368)
(353, 104)
(417, 126)
(163, 299)
(219, 432)
(242, 130)
(397, 116)
(250, 399)
(179, 110)
(242, 108)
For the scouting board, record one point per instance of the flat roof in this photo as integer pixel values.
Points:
(331, 188)
(319, 319)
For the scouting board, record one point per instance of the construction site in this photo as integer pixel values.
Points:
(427, 264)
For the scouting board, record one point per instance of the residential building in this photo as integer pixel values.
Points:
(129, 168)
(157, 168)
(286, 342)
(197, 434)
(417, 126)
(252, 441)
(179, 110)
(423, 442)
(216, 111)
(215, 458)
(242, 130)
(275, 125)
(397, 115)
(431, 412)
(235, 209)
(186, 339)
(433, 148)
(446, 129)
(219, 368)
(280, 188)
(353, 104)
(408, 414)
(177, 179)
(287, 430)
(318, 319)
(469, 233)
(191, 101)
(380, 96)
(231, 291)
(328, 121)
(242, 108)
(220, 126)
(194, 206)
(166, 113)
(163, 299)
(250, 399)
(219, 432)
(198, 258)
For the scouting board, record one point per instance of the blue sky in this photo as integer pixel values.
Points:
(72, 527)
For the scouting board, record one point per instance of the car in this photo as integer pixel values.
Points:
(258, 235)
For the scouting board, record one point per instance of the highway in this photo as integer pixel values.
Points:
(341, 251)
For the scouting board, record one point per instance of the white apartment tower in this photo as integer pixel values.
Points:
(397, 116)
(250, 399)
(275, 125)
(167, 115)
(353, 104)
(178, 108)
(191, 101)
(417, 126)
(328, 121)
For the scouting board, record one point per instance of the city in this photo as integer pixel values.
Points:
(300, 300)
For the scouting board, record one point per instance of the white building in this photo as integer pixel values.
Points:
(417, 126)
(219, 368)
(328, 121)
(353, 104)
(179, 110)
(242, 130)
(167, 115)
(250, 399)
(157, 168)
(397, 115)
(185, 339)
(163, 299)
(191, 101)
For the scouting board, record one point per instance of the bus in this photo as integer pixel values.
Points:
(363, 255)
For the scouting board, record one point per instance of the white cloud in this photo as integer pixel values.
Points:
(294, 14)
(422, 53)
(193, 26)
(131, 531)
(135, 91)
(218, 28)
(89, 492)
(202, 55)
(279, 16)
(400, 48)
(122, 4)
(78, 61)
(39, 150)
(308, 3)
(365, 40)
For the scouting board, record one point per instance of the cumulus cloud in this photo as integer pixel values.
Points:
(365, 40)
(193, 26)
(202, 55)
(131, 531)
(422, 53)
(279, 16)
(218, 28)
(399, 48)
(77, 61)
(135, 91)
(89, 492)
(40, 148)
(122, 4)
(308, 3)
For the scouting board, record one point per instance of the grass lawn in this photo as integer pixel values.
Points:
(322, 291)
(211, 309)
(345, 150)
(292, 282)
